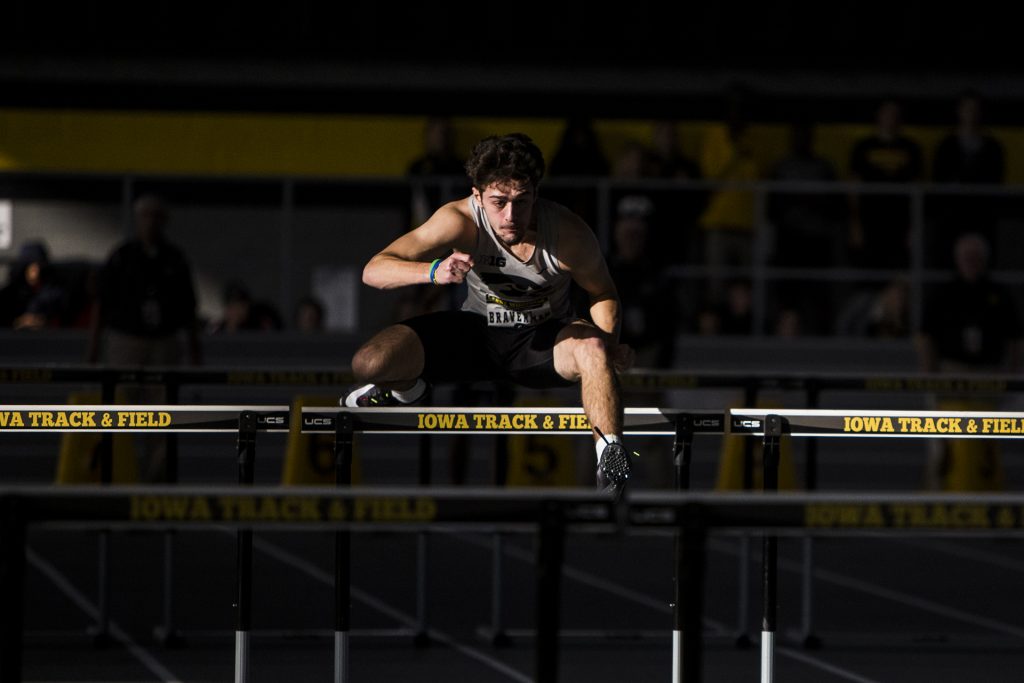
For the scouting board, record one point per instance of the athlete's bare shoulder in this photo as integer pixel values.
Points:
(565, 219)
(576, 240)
(452, 224)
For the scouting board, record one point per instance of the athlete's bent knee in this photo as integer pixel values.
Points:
(590, 350)
(368, 363)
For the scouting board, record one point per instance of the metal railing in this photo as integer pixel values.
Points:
(283, 195)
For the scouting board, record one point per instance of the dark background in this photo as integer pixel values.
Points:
(816, 61)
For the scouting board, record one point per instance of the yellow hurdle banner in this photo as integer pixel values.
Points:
(138, 418)
(540, 459)
(882, 423)
(731, 464)
(568, 421)
(309, 458)
(79, 459)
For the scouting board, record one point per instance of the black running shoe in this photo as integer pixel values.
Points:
(613, 469)
(369, 396)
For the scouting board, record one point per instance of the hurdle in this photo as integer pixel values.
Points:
(309, 509)
(772, 424)
(693, 515)
(679, 424)
(245, 421)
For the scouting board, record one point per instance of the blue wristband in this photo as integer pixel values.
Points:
(433, 269)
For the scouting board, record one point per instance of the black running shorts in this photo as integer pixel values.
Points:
(460, 347)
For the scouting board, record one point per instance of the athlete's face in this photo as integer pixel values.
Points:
(509, 209)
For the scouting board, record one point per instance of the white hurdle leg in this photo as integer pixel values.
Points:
(340, 657)
(241, 656)
(767, 656)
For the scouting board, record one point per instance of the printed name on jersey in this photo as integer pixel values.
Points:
(516, 305)
(502, 313)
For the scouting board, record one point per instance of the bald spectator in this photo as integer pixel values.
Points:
(971, 325)
(146, 305)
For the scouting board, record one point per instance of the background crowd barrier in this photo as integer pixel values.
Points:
(693, 516)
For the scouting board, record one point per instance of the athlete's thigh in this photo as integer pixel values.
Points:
(454, 346)
(529, 357)
(566, 343)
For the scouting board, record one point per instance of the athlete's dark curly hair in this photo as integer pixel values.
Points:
(504, 158)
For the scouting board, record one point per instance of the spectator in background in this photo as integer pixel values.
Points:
(579, 152)
(32, 299)
(806, 226)
(635, 161)
(147, 301)
(668, 160)
(237, 314)
(971, 156)
(649, 311)
(804, 222)
(146, 304)
(439, 157)
(880, 223)
(878, 313)
(579, 155)
(971, 325)
(439, 160)
(733, 316)
(728, 222)
(243, 314)
(309, 315)
(675, 210)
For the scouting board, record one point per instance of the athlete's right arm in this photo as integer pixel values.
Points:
(408, 260)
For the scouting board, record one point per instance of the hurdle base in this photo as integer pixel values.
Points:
(808, 641)
(101, 638)
(743, 641)
(497, 638)
(171, 639)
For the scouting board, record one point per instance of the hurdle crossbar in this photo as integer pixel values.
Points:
(245, 421)
(772, 423)
(694, 515)
(921, 424)
(447, 420)
(138, 418)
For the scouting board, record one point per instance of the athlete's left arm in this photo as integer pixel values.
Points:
(580, 255)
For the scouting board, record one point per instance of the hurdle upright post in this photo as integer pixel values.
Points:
(682, 450)
(243, 571)
(422, 636)
(105, 453)
(770, 463)
(806, 634)
(688, 610)
(550, 554)
(12, 584)
(343, 431)
(166, 633)
(425, 477)
(743, 639)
